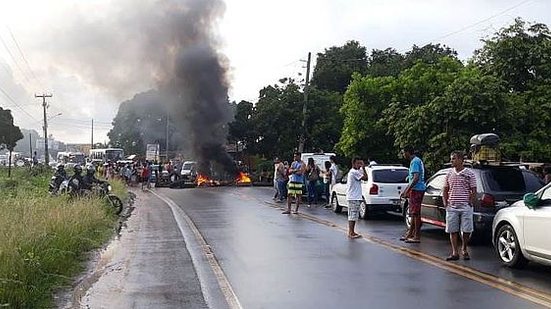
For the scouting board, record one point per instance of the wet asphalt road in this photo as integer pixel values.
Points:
(287, 261)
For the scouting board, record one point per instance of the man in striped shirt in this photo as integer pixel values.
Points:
(459, 198)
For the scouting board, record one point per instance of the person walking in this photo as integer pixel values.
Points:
(354, 194)
(327, 182)
(334, 174)
(281, 181)
(296, 181)
(277, 195)
(414, 192)
(313, 172)
(459, 197)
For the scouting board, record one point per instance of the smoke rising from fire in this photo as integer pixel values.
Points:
(170, 45)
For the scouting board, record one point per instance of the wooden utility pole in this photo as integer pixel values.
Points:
(30, 150)
(92, 140)
(45, 105)
(302, 138)
(167, 122)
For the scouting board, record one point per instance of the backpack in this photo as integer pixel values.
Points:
(314, 174)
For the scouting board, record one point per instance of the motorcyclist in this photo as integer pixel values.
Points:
(60, 171)
(76, 181)
(90, 179)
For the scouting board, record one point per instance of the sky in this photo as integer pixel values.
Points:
(92, 55)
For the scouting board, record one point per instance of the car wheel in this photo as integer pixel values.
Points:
(508, 248)
(335, 204)
(407, 216)
(364, 211)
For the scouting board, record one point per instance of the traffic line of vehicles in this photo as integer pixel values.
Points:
(518, 232)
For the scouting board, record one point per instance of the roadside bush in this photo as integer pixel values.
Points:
(44, 239)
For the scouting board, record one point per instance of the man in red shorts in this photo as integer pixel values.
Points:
(414, 191)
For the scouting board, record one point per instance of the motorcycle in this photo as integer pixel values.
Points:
(103, 190)
(58, 185)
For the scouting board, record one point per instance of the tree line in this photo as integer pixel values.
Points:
(372, 104)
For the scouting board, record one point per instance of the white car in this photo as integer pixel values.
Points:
(521, 234)
(381, 191)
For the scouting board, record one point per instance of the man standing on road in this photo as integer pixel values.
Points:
(354, 194)
(334, 172)
(415, 192)
(296, 181)
(459, 196)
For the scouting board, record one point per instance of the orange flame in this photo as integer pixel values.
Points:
(243, 178)
(202, 179)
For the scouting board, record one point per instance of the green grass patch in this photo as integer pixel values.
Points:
(44, 239)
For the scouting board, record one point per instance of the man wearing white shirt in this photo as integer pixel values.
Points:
(354, 194)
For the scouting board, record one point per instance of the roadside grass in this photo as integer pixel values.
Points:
(44, 239)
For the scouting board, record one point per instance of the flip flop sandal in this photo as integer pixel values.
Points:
(466, 256)
(295, 212)
(286, 212)
(452, 258)
(354, 236)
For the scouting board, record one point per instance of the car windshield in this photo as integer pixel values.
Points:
(390, 176)
(505, 179)
(187, 166)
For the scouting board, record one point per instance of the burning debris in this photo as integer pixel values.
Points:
(241, 179)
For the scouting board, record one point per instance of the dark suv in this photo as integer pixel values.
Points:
(497, 187)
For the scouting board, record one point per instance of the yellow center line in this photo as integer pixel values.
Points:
(513, 288)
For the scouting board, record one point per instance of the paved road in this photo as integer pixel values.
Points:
(237, 239)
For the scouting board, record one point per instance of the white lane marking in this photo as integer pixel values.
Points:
(223, 282)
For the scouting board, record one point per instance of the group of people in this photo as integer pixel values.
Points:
(289, 180)
(459, 194)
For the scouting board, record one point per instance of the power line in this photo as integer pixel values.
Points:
(23, 56)
(481, 22)
(13, 59)
(16, 104)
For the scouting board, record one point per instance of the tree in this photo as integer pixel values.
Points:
(428, 54)
(408, 118)
(277, 120)
(323, 121)
(143, 120)
(9, 133)
(364, 102)
(518, 54)
(386, 62)
(241, 128)
(334, 67)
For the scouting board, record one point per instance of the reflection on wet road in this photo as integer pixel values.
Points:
(281, 261)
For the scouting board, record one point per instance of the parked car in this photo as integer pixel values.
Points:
(498, 186)
(520, 233)
(381, 191)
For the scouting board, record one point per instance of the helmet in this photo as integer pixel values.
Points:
(90, 169)
(60, 166)
(77, 169)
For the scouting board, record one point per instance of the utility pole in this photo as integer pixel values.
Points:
(302, 138)
(167, 121)
(30, 149)
(92, 140)
(45, 105)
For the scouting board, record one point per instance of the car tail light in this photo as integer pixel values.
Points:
(487, 200)
(374, 190)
